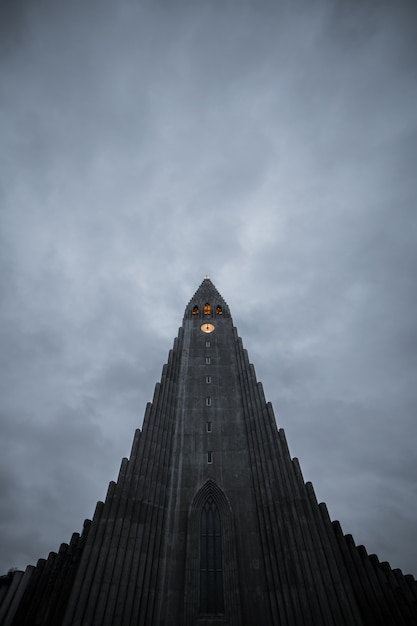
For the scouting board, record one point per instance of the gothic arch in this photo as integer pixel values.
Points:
(232, 612)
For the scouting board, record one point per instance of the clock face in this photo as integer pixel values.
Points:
(207, 328)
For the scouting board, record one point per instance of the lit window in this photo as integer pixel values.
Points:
(196, 310)
(219, 310)
(208, 360)
(210, 457)
(207, 309)
(208, 401)
(209, 427)
(208, 379)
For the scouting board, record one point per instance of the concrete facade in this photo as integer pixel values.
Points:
(210, 521)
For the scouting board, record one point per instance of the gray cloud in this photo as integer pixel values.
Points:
(147, 144)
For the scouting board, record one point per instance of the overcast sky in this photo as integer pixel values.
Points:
(270, 145)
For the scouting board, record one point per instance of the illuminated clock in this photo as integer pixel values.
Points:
(207, 328)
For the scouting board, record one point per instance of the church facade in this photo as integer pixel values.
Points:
(210, 522)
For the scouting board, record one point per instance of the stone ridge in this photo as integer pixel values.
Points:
(208, 292)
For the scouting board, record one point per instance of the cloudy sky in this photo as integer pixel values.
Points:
(271, 145)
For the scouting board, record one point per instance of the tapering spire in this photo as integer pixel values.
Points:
(207, 294)
(210, 520)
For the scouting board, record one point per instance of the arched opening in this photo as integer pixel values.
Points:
(211, 584)
(211, 560)
(219, 310)
(207, 309)
(196, 310)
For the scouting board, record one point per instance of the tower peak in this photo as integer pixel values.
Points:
(206, 294)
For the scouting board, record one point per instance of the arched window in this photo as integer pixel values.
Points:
(207, 309)
(211, 531)
(196, 310)
(219, 310)
(211, 562)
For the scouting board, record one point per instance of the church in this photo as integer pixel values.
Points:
(210, 522)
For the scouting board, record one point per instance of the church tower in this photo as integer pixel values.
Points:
(210, 522)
